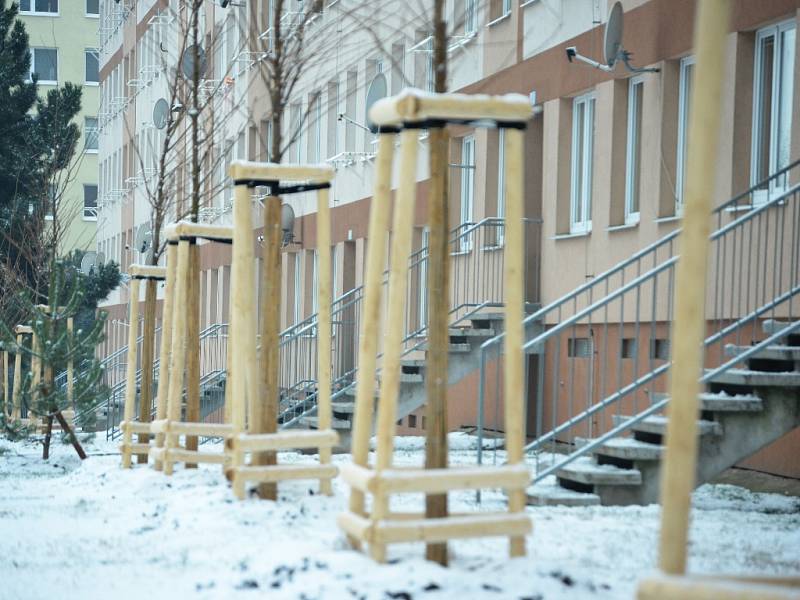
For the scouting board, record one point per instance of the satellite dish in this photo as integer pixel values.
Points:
(377, 90)
(161, 113)
(88, 262)
(187, 62)
(144, 239)
(613, 51)
(287, 223)
(612, 39)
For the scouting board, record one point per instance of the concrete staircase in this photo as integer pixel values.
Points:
(741, 411)
(464, 357)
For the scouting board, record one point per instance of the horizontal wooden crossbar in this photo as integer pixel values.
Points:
(673, 587)
(183, 428)
(135, 426)
(139, 449)
(389, 481)
(188, 229)
(23, 329)
(415, 105)
(283, 440)
(187, 456)
(149, 271)
(435, 530)
(273, 473)
(242, 169)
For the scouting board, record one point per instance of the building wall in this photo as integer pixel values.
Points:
(72, 31)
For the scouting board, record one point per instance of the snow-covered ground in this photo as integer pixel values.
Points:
(91, 530)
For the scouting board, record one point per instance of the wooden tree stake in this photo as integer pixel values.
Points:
(193, 347)
(324, 411)
(130, 372)
(166, 345)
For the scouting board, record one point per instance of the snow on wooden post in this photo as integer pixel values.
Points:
(408, 113)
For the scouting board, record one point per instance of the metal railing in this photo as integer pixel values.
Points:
(476, 283)
(604, 348)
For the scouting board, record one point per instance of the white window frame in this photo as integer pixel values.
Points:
(633, 147)
(778, 185)
(86, 131)
(37, 13)
(501, 185)
(683, 131)
(33, 65)
(86, 81)
(467, 204)
(582, 198)
(92, 214)
(470, 17)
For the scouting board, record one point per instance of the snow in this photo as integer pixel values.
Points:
(91, 530)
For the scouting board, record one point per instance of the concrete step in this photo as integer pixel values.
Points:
(454, 348)
(771, 326)
(588, 472)
(724, 402)
(471, 332)
(313, 423)
(343, 407)
(775, 352)
(758, 378)
(627, 449)
(658, 425)
(543, 494)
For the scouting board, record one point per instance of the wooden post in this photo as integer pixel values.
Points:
(70, 368)
(178, 358)
(438, 328)
(324, 411)
(241, 299)
(193, 346)
(371, 330)
(265, 418)
(402, 227)
(678, 473)
(148, 350)
(36, 368)
(679, 469)
(7, 406)
(17, 391)
(130, 373)
(514, 283)
(166, 343)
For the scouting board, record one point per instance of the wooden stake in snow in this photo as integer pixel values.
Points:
(407, 114)
(255, 424)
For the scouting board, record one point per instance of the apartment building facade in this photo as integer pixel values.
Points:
(63, 43)
(605, 152)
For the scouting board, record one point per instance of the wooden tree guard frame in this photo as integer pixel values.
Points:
(280, 179)
(16, 392)
(406, 114)
(680, 458)
(168, 426)
(129, 425)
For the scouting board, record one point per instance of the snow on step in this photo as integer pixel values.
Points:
(759, 378)
(658, 425)
(452, 347)
(723, 402)
(552, 494)
(471, 331)
(335, 423)
(343, 407)
(630, 449)
(774, 352)
(586, 471)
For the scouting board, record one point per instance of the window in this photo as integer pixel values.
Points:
(298, 290)
(659, 349)
(90, 202)
(467, 188)
(628, 349)
(581, 173)
(295, 133)
(39, 7)
(501, 184)
(333, 119)
(470, 17)
(44, 63)
(579, 347)
(398, 68)
(633, 157)
(315, 283)
(350, 111)
(90, 134)
(499, 9)
(92, 8)
(772, 104)
(92, 59)
(430, 80)
(315, 128)
(684, 100)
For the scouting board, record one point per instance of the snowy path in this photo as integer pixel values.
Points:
(91, 530)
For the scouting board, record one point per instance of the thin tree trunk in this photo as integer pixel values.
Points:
(438, 294)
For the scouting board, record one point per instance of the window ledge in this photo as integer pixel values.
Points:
(670, 219)
(492, 248)
(624, 227)
(461, 252)
(90, 219)
(91, 83)
(569, 236)
(499, 19)
(527, 3)
(740, 208)
(90, 151)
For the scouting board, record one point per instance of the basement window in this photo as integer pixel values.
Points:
(579, 347)
(628, 348)
(412, 421)
(660, 349)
